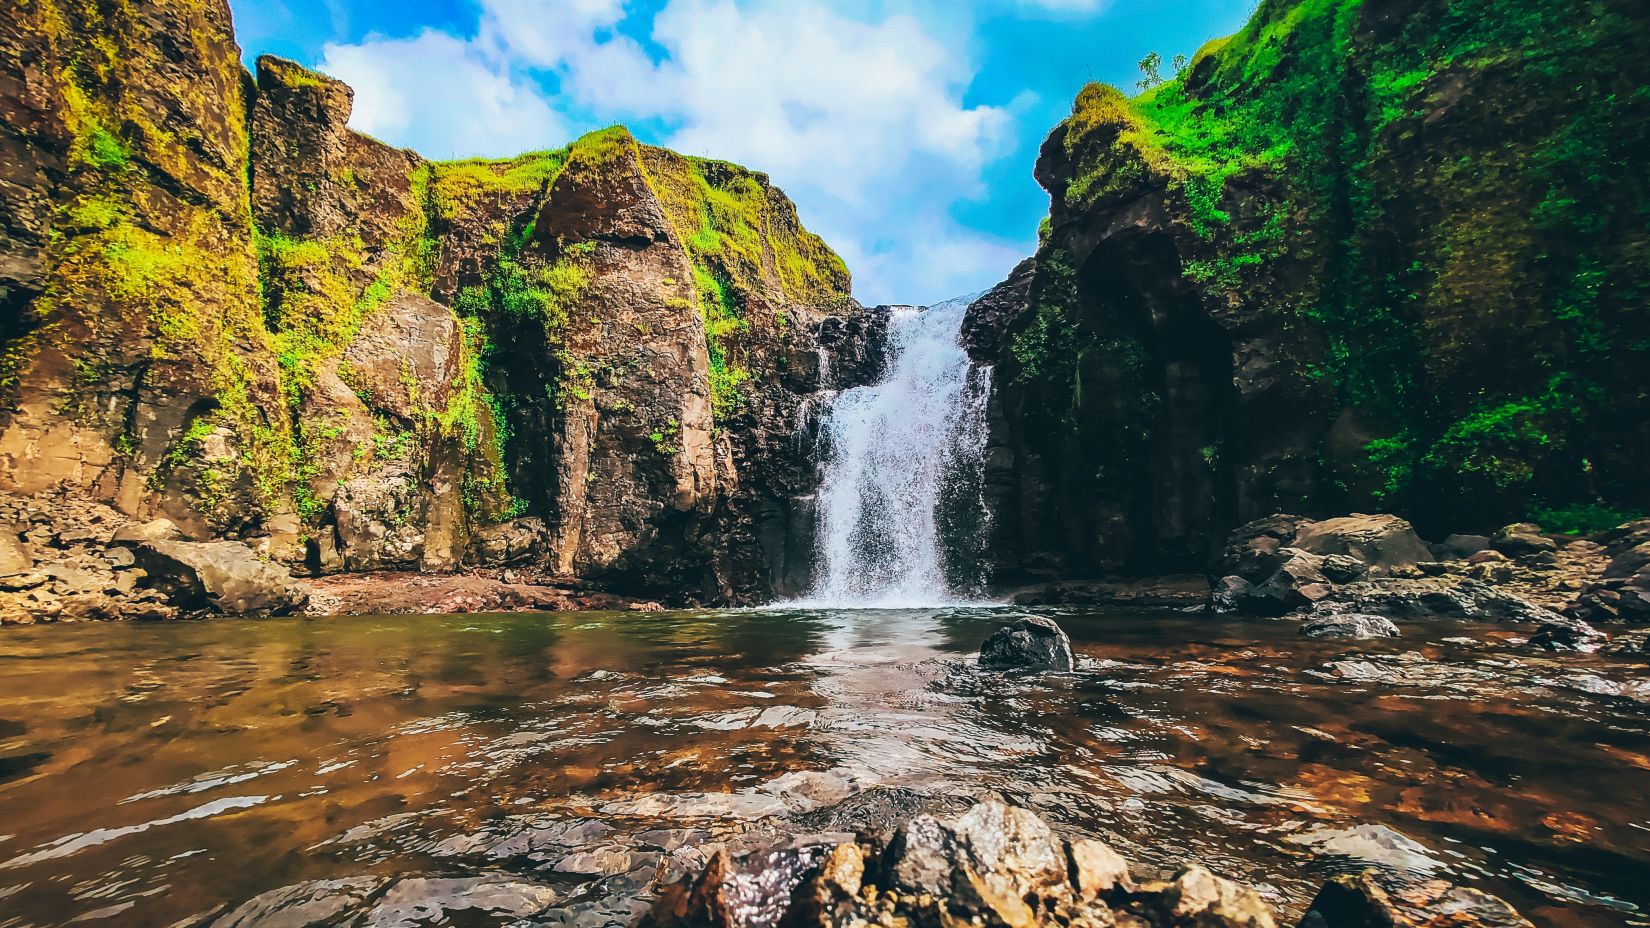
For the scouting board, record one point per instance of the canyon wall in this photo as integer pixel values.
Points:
(1387, 255)
(220, 305)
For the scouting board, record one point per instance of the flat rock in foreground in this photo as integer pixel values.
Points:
(997, 865)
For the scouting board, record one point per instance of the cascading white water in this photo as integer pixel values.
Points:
(894, 454)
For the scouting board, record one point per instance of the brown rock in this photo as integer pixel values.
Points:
(1369, 901)
(405, 358)
(1197, 897)
(222, 575)
(1096, 869)
(1383, 542)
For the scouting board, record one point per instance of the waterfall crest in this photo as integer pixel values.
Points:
(902, 466)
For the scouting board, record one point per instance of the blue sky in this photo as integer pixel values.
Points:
(906, 131)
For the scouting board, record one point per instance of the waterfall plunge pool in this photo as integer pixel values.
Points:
(379, 766)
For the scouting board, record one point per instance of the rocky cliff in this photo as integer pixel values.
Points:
(220, 305)
(1386, 255)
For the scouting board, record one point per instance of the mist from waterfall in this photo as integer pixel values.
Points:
(901, 509)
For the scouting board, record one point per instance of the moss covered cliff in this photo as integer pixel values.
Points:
(1364, 253)
(219, 304)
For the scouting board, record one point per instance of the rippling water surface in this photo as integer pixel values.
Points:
(557, 764)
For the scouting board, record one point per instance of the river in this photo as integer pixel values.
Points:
(165, 774)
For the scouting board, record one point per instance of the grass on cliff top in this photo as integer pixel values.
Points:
(457, 188)
(1274, 94)
(731, 216)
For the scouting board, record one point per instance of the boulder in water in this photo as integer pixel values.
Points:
(1349, 625)
(1354, 901)
(1032, 643)
(1569, 634)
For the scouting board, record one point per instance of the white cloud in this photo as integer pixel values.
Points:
(861, 120)
(437, 94)
(800, 92)
(932, 261)
(545, 33)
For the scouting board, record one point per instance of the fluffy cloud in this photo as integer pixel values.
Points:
(546, 33)
(804, 93)
(861, 119)
(440, 95)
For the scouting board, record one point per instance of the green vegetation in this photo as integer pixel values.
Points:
(103, 150)
(1583, 518)
(460, 189)
(315, 307)
(743, 238)
(156, 267)
(1468, 266)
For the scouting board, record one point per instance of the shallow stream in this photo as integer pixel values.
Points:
(167, 774)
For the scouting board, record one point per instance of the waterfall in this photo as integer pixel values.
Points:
(902, 467)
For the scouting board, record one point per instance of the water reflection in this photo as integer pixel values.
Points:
(557, 764)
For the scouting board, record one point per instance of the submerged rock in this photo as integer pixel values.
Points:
(417, 901)
(1032, 643)
(1569, 635)
(311, 904)
(1367, 900)
(1349, 625)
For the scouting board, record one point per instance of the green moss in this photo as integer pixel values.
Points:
(1446, 268)
(458, 189)
(1044, 349)
(103, 150)
(295, 76)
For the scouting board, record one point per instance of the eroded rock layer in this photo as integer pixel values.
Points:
(221, 306)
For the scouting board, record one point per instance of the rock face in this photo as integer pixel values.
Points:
(127, 278)
(1032, 643)
(1288, 281)
(1379, 542)
(1623, 594)
(220, 305)
(1344, 574)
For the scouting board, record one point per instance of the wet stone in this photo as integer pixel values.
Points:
(411, 903)
(1349, 625)
(1373, 898)
(1569, 635)
(315, 904)
(1032, 643)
